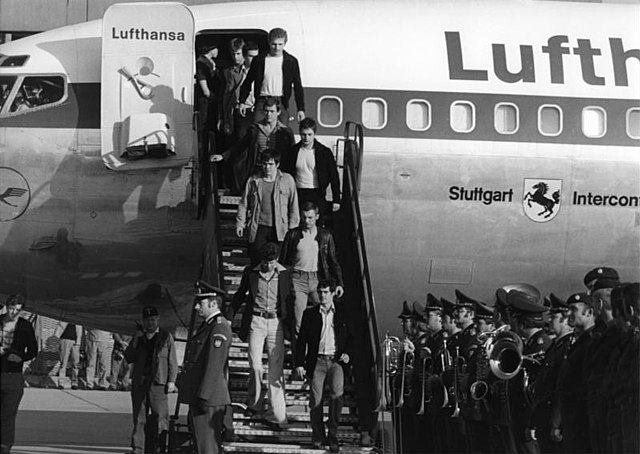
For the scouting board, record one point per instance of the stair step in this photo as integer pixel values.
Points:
(292, 399)
(289, 433)
(287, 448)
(230, 200)
(304, 417)
(233, 251)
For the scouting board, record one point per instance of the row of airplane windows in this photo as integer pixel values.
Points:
(506, 117)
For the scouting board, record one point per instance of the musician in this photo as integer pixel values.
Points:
(529, 318)
(464, 314)
(597, 359)
(572, 383)
(407, 320)
(546, 411)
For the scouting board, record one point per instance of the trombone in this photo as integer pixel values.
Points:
(427, 367)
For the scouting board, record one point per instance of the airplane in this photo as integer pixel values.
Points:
(500, 146)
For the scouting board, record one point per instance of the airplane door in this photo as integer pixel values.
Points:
(147, 86)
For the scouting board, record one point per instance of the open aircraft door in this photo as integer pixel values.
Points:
(147, 86)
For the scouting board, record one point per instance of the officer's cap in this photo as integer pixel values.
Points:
(418, 311)
(601, 272)
(204, 290)
(523, 302)
(447, 306)
(599, 284)
(483, 311)
(580, 298)
(523, 287)
(149, 311)
(556, 304)
(406, 311)
(463, 300)
(433, 303)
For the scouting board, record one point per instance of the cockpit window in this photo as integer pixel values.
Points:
(6, 84)
(36, 91)
(13, 60)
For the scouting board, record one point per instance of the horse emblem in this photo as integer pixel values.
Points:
(541, 199)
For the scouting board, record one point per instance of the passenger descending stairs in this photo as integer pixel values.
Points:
(251, 434)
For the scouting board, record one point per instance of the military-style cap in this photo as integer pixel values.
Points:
(463, 300)
(447, 306)
(418, 311)
(556, 304)
(523, 302)
(149, 311)
(406, 311)
(433, 303)
(483, 311)
(599, 284)
(204, 290)
(580, 298)
(601, 272)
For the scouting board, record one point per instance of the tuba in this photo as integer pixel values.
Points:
(503, 349)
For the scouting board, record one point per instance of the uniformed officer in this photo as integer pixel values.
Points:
(529, 319)
(203, 383)
(601, 272)
(546, 411)
(572, 383)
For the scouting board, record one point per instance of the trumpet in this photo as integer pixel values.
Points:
(391, 347)
(427, 367)
(459, 363)
(407, 358)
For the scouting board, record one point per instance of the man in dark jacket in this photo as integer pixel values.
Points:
(321, 354)
(272, 75)
(155, 368)
(18, 345)
(314, 168)
(310, 253)
(203, 383)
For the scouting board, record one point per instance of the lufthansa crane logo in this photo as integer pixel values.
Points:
(15, 194)
(541, 199)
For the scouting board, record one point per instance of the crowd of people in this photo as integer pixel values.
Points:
(523, 375)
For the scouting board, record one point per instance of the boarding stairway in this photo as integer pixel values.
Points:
(225, 261)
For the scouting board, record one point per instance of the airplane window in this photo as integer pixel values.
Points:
(505, 118)
(6, 83)
(374, 113)
(594, 122)
(37, 91)
(550, 120)
(463, 116)
(633, 123)
(418, 115)
(13, 60)
(330, 111)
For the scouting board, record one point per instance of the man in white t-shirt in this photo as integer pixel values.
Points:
(274, 74)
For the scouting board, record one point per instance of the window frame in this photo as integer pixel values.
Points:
(582, 123)
(495, 110)
(473, 116)
(627, 123)
(319, 116)
(559, 109)
(6, 113)
(418, 101)
(385, 112)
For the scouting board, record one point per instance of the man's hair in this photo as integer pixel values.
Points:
(269, 251)
(15, 300)
(308, 123)
(270, 153)
(310, 205)
(276, 33)
(601, 300)
(250, 45)
(272, 101)
(207, 47)
(327, 283)
(236, 44)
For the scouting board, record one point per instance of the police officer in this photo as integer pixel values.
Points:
(601, 272)
(203, 384)
(546, 411)
(529, 319)
(572, 383)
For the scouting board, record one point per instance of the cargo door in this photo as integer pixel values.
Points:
(147, 86)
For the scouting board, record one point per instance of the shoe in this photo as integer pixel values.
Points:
(60, 387)
(334, 446)
(365, 440)
(74, 387)
(317, 444)
(101, 388)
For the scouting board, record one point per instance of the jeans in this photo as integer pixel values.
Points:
(264, 234)
(69, 355)
(305, 286)
(330, 371)
(97, 353)
(267, 331)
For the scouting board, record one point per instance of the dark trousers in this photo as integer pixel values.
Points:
(264, 235)
(575, 422)
(207, 427)
(11, 391)
(149, 430)
(330, 371)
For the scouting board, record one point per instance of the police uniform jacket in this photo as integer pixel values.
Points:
(468, 341)
(572, 384)
(249, 283)
(24, 345)
(306, 353)
(164, 364)
(204, 377)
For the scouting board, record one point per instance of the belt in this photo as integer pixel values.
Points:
(323, 356)
(265, 314)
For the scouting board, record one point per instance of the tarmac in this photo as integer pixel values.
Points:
(53, 421)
